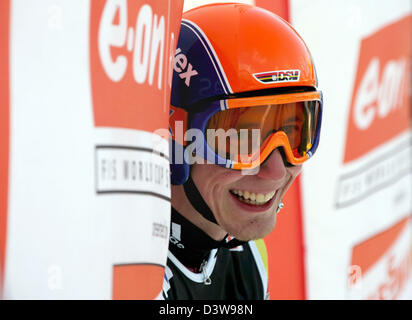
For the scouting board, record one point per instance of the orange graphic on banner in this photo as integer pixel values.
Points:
(131, 49)
(280, 7)
(381, 100)
(4, 130)
(137, 282)
(368, 253)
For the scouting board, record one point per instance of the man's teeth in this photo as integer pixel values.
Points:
(253, 198)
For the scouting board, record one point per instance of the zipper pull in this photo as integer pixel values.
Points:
(206, 278)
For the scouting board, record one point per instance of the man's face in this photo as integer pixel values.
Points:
(225, 191)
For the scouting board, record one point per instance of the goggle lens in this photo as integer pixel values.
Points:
(240, 128)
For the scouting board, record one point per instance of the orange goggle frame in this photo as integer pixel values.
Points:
(291, 121)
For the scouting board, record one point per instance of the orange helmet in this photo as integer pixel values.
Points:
(237, 64)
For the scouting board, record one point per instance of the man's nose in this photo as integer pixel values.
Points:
(273, 167)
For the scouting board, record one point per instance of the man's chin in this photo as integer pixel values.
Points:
(254, 231)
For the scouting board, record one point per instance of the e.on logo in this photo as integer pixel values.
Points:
(380, 105)
(132, 43)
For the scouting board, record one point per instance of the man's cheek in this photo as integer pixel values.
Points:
(298, 170)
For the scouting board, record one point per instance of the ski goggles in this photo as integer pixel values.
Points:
(241, 133)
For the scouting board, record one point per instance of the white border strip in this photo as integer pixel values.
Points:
(223, 105)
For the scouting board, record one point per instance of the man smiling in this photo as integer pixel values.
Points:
(244, 86)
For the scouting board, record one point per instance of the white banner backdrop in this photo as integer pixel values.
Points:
(357, 192)
(89, 187)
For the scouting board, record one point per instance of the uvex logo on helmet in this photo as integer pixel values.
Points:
(380, 102)
(182, 67)
(131, 53)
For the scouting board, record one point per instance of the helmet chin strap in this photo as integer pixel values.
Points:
(197, 201)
